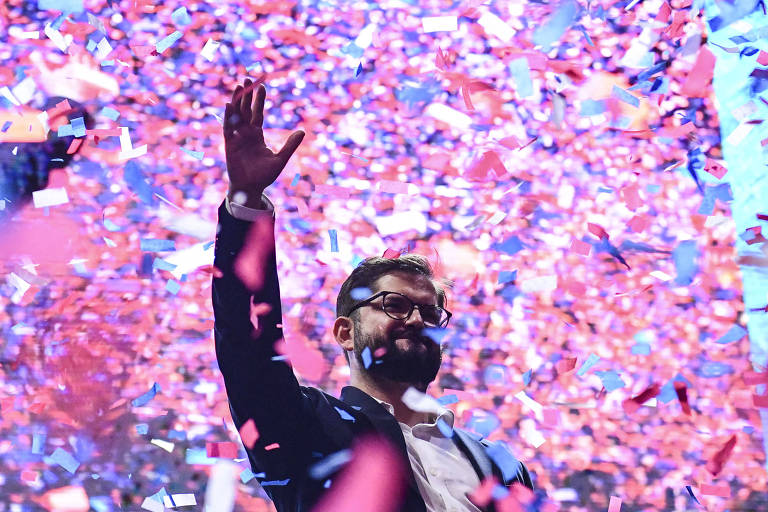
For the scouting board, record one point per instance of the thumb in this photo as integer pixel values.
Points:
(290, 146)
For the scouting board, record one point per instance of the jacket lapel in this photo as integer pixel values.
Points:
(383, 422)
(475, 453)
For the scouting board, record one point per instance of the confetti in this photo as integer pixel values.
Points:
(50, 197)
(439, 23)
(65, 460)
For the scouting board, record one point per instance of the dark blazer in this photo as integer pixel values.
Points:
(307, 423)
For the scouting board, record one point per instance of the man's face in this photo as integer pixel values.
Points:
(408, 354)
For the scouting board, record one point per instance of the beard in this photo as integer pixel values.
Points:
(414, 362)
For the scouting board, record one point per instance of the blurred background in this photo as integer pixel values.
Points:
(560, 163)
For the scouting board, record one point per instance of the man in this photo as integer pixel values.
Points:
(385, 311)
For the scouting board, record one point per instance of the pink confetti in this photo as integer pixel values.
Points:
(226, 450)
(249, 434)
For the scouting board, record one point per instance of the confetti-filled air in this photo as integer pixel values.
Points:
(588, 177)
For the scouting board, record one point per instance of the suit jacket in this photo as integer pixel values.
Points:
(304, 421)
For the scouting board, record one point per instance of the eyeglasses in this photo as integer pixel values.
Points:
(400, 307)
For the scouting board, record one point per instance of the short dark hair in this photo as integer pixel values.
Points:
(371, 269)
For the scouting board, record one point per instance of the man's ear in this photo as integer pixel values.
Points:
(344, 332)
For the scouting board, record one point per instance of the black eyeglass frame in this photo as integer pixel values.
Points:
(384, 294)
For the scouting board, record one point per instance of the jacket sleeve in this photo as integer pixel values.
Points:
(258, 387)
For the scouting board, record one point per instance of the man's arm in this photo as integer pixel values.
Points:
(259, 387)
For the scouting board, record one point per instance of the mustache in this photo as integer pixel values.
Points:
(412, 335)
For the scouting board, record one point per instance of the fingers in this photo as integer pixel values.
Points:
(237, 95)
(229, 123)
(290, 146)
(247, 99)
(258, 112)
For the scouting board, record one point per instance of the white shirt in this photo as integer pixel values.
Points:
(444, 475)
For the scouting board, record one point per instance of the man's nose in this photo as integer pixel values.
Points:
(415, 318)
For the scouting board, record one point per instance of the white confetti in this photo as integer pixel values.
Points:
(210, 49)
(179, 500)
(49, 197)
(495, 26)
(448, 115)
(440, 23)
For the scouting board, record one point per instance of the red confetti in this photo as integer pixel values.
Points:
(631, 405)
(682, 395)
(718, 460)
(224, 450)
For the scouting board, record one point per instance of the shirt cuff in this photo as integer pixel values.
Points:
(241, 212)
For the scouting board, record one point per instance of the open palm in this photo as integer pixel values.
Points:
(251, 165)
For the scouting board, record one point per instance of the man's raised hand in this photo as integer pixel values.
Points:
(251, 165)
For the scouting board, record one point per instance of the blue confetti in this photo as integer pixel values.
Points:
(495, 375)
(445, 428)
(507, 276)
(624, 96)
(247, 475)
(648, 73)
(591, 107)
(499, 492)
(611, 380)
(181, 17)
(690, 492)
(360, 293)
(589, 363)
(527, 377)
(507, 462)
(735, 333)
(667, 392)
(199, 456)
(110, 113)
(197, 155)
(641, 349)
(65, 460)
(684, 256)
(161, 264)
(359, 69)
(327, 484)
(344, 414)
(448, 399)
(295, 179)
(172, 286)
(38, 443)
(142, 429)
(64, 6)
(551, 30)
(334, 240)
(137, 182)
(78, 127)
(65, 130)
(146, 397)
(483, 422)
(521, 74)
(436, 334)
(111, 226)
(6, 126)
(367, 358)
(155, 245)
(91, 45)
(275, 482)
(168, 41)
(330, 464)
(714, 369)
(511, 245)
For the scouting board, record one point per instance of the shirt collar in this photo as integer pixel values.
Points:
(445, 414)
